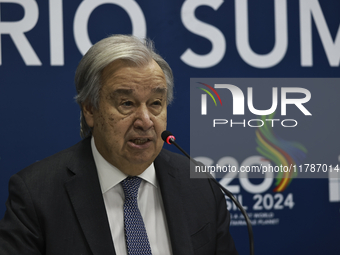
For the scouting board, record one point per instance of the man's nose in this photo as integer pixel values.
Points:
(143, 118)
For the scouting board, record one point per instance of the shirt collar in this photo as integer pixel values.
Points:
(110, 176)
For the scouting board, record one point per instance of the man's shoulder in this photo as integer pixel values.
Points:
(181, 167)
(175, 159)
(58, 162)
(193, 189)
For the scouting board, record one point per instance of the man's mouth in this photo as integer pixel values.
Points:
(140, 141)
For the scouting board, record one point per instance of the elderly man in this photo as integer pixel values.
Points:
(117, 191)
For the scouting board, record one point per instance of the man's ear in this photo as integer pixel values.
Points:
(88, 114)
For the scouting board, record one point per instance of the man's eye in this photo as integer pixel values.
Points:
(157, 103)
(127, 103)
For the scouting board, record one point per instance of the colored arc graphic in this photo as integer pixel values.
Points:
(280, 152)
(213, 90)
(209, 94)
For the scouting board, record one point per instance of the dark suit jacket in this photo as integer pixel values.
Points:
(55, 206)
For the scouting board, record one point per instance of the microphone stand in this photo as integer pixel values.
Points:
(171, 140)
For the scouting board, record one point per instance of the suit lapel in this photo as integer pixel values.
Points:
(86, 197)
(170, 186)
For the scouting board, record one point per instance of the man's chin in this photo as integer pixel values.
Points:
(142, 159)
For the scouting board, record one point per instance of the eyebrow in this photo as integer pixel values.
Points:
(127, 92)
(160, 90)
(122, 92)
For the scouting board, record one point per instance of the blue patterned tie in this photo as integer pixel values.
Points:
(137, 241)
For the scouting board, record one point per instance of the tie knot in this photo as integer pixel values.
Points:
(130, 186)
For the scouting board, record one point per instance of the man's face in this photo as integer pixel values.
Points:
(131, 116)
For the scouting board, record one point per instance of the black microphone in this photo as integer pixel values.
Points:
(169, 138)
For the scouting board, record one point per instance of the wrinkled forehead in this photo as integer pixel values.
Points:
(110, 70)
(126, 74)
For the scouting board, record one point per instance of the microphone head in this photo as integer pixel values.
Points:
(167, 137)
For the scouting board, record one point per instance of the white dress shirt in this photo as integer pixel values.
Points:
(149, 202)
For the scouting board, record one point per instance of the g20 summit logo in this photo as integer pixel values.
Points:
(282, 153)
(238, 107)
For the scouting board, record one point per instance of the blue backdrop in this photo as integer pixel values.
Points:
(41, 43)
